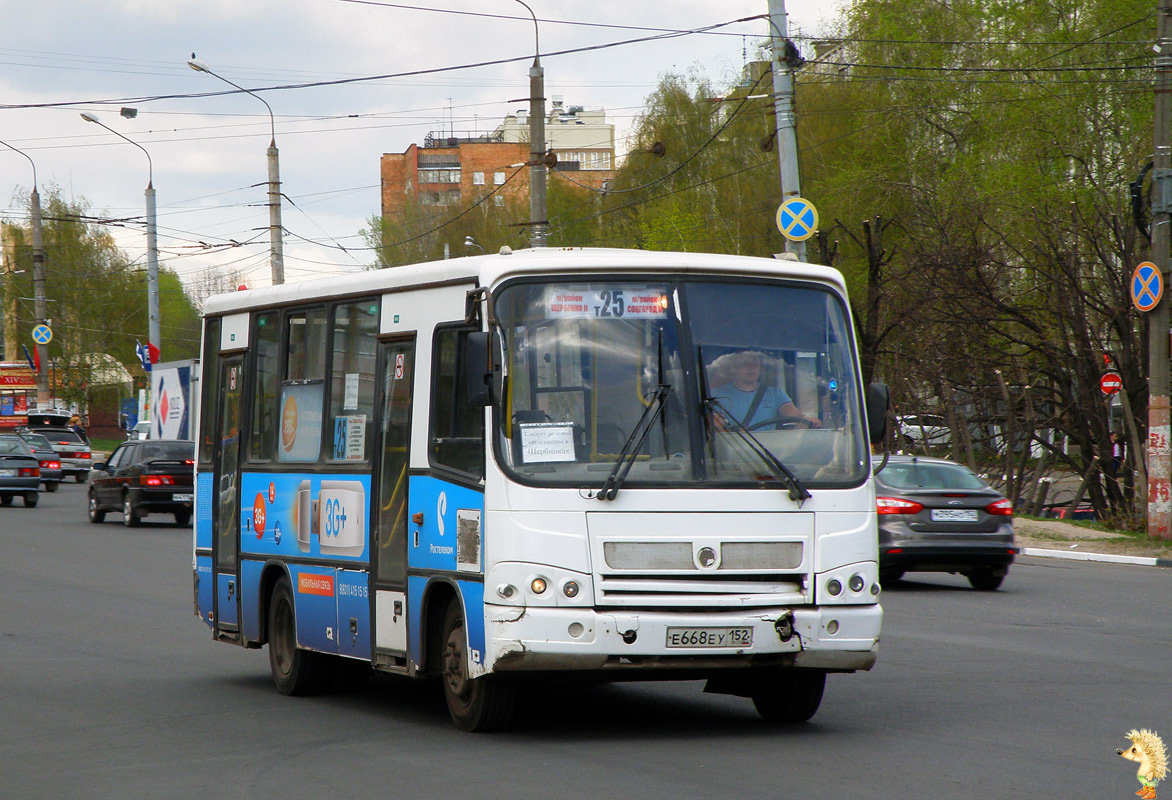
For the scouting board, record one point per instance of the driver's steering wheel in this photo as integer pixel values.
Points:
(783, 423)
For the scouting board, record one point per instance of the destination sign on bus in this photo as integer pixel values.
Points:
(601, 302)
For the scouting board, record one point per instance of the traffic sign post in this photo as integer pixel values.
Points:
(42, 334)
(797, 219)
(1147, 286)
(1111, 383)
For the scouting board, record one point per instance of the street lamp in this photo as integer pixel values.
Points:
(537, 168)
(152, 240)
(38, 281)
(276, 243)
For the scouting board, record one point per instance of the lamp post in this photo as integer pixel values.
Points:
(39, 305)
(152, 240)
(537, 169)
(276, 242)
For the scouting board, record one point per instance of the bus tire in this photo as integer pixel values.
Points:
(296, 671)
(476, 704)
(788, 695)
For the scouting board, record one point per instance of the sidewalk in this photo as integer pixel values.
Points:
(1057, 539)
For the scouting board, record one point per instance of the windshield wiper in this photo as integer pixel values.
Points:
(797, 492)
(634, 442)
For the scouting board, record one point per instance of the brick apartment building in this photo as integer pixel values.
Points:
(450, 170)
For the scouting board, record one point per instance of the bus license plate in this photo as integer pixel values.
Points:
(954, 515)
(709, 637)
(181, 498)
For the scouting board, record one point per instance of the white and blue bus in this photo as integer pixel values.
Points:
(532, 465)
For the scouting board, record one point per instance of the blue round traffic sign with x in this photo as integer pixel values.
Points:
(1147, 286)
(42, 334)
(797, 219)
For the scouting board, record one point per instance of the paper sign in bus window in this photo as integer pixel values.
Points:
(544, 442)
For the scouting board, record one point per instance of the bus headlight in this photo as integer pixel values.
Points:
(538, 586)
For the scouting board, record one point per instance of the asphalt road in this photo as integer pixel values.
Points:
(111, 688)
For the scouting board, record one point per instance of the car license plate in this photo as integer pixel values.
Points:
(709, 637)
(7, 473)
(181, 498)
(954, 515)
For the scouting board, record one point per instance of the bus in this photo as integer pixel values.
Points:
(533, 466)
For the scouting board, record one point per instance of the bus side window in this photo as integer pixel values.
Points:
(266, 353)
(457, 428)
(352, 380)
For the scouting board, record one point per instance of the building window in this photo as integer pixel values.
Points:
(498, 178)
(439, 175)
(477, 178)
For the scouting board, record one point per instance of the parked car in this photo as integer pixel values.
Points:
(73, 451)
(20, 474)
(937, 516)
(924, 429)
(155, 476)
(51, 472)
(141, 430)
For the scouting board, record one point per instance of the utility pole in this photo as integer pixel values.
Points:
(39, 302)
(783, 109)
(40, 307)
(1159, 435)
(537, 169)
(276, 232)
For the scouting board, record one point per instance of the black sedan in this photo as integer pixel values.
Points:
(155, 476)
(937, 516)
(20, 472)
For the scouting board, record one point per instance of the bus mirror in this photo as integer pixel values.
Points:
(477, 369)
(877, 400)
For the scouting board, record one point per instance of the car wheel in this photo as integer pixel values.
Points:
(79, 477)
(30, 499)
(50, 486)
(788, 695)
(476, 704)
(295, 671)
(130, 517)
(5, 500)
(183, 517)
(985, 580)
(890, 575)
(95, 515)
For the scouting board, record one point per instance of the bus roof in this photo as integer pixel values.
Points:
(487, 270)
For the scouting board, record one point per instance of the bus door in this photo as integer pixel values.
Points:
(396, 368)
(226, 488)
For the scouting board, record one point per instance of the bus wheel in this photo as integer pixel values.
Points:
(295, 671)
(788, 695)
(476, 704)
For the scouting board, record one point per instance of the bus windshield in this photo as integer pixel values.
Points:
(710, 382)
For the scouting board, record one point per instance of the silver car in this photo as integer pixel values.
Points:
(72, 449)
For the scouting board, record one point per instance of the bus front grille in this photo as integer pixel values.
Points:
(704, 590)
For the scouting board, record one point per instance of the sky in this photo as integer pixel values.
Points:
(207, 143)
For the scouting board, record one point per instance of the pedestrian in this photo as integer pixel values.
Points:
(75, 426)
(1117, 452)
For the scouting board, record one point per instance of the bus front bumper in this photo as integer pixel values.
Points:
(835, 638)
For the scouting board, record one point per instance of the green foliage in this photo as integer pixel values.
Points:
(97, 299)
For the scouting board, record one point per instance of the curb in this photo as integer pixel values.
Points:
(1144, 561)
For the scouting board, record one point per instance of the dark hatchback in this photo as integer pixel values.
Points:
(20, 472)
(938, 516)
(155, 476)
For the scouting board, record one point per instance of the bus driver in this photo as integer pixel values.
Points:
(748, 400)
